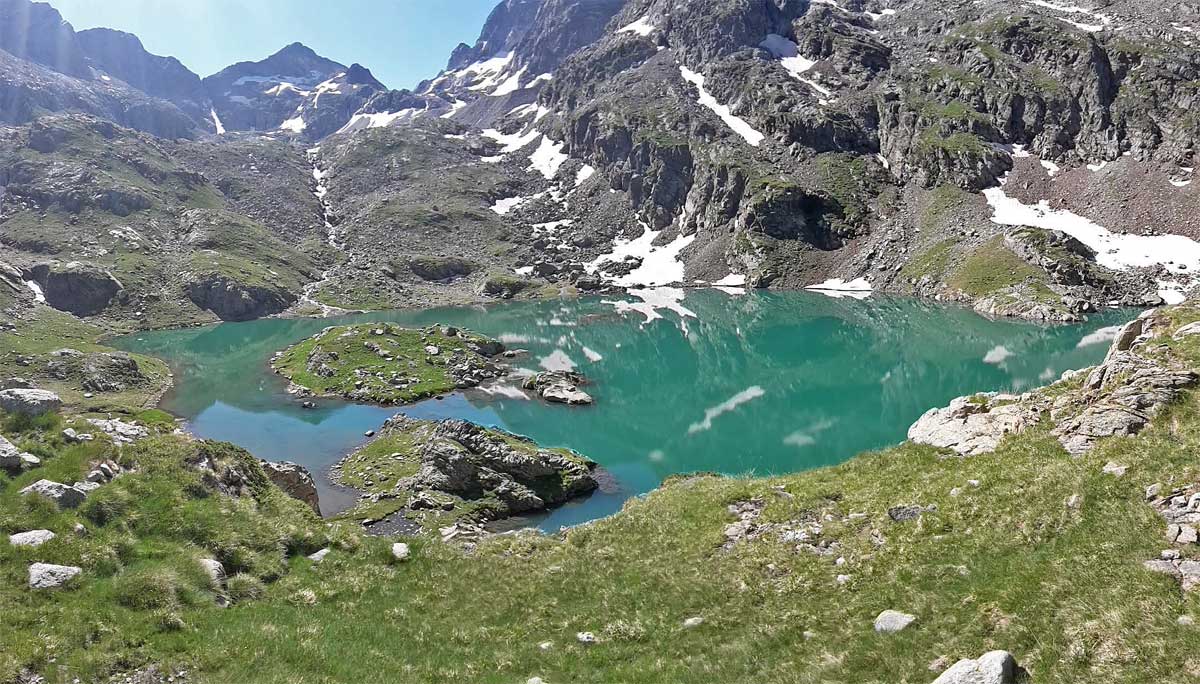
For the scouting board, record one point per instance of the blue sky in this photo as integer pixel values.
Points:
(400, 41)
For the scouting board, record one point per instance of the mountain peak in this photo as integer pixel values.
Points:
(297, 49)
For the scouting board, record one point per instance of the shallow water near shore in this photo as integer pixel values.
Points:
(760, 383)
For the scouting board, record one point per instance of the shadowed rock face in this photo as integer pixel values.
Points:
(295, 481)
(36, 31)
(122, 56)
(231, 300)
(81, 289)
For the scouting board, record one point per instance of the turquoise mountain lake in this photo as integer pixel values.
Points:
(761, 383)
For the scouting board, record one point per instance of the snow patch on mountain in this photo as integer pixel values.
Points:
(736, 123)
(641, 27)
(547, 158)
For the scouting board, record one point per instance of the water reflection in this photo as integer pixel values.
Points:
(777, 382)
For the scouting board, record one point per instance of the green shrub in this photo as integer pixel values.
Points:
(243, 587)
(106, 505)
(153, 589)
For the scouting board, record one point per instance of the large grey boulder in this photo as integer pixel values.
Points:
(13, 459)
(973, 425)
(33, 402)
(214, 570)
(49, 576)
(66, 496)
(31, 538)
(995, 667)
(560, 387)
(295, 481)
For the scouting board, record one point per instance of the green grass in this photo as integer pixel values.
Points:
(992, 268)
(408, 359)
(26, 352)
(1006, 564)
(932, 262)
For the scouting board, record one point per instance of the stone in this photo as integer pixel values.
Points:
(890, 621)
(49, 576)
(400, 551)
(1185, 621)
(1187, 535)
(973, 425)
(295, 481)
(559, 387)
(74, 437)
(15, 460)
(1153, 490)
(1114, 469)
(693, 622)
(120, 431)
(65, 496)
(586, 638)
(904, 513)
(545, 646)
(319, 555)
(214, 570)
(32, 402)
(535, 680)
(995, 667)
(31, 538)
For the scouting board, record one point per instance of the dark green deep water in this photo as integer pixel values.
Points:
(763, 383)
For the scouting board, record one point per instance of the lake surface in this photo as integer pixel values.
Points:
(759, 383)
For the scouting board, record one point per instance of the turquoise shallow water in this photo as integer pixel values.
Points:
(762, 383)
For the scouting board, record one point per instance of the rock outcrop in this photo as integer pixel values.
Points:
(13, 459)
(559, 387)
(65, 496)
(32, 402)
(974, 424)
(1119, 397)
(295, 481)
(81, 289)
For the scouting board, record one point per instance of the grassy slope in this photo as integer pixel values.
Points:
(406, 346)
(1006, 565)
(45, 330)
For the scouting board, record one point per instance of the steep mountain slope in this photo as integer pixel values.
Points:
(122, 56)
(104, 220)
(294, 90)
(801, 140)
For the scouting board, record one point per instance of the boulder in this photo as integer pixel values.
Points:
(995, 667)
(31, 538)
(319, 555)
(66, 496)
(973, 425)
(232, 300)
(295, 481)
(48, 576)
(559, 387)
(890, 621)
(400, 551)
(15, 460)
(33, 402)
(214, 570)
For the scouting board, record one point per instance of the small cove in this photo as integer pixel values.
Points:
(759, 383)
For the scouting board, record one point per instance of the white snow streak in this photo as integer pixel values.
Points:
(660, 265)
(217, 121)
(736, 123)
(641, 27)
(37, 290)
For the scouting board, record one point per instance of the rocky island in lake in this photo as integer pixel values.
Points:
(388, 364)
